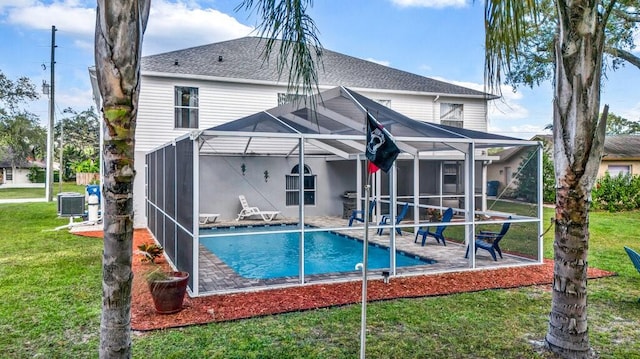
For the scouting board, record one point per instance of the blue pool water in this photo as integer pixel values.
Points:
(273, 255)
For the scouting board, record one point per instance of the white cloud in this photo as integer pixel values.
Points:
(379, 62)
(525, 131)
(67, 16)
(509, 106)
(430, 3)
(14, 3)
(171, 26)
(632, 114)
(174, 26)
(424, 68)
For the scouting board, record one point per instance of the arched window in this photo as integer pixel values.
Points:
(292, 190)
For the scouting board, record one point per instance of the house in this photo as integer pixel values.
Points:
(621, 155)
(206, 86)
(297, 160)
(17, 176)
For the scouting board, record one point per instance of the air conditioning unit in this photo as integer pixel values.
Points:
(70, 204)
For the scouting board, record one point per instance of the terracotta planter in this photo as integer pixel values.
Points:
(168, 293)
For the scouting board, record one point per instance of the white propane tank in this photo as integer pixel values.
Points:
(93, 205)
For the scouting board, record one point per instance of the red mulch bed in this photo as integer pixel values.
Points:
(225, 307)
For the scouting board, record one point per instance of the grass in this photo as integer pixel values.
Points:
(16, 193)
(50, 287)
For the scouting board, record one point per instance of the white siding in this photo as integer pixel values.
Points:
(218, 103)
(474, 112)
(413, 106)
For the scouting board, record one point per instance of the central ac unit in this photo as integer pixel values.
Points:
(70, 204)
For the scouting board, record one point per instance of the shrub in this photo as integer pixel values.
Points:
(614, 194)
(37, 175)
(86, 166)
(527, 177)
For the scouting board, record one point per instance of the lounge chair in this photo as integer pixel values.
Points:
(208, 218)
(438, 234)
(399, 217)
(247, 211)
(490, 241)
(635, 259)
(634, 256)
(358, 214)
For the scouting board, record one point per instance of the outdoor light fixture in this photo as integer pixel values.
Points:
(243, 168)
(266, 175)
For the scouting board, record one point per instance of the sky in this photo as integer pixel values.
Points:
(441, 39)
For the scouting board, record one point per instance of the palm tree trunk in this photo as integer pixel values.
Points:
(120, 27)
(117, 276)
(578, 145)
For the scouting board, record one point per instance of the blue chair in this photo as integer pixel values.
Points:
(490, 241)
(358, 214)
(635, 259)
(634, 256)
(438, 234)
(399, 218)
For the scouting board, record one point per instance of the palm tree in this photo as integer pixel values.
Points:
(578, 133)
(120, 26)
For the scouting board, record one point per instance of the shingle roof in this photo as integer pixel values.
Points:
(622, 147)
(618, 147)
(341, 112)
(242, 59)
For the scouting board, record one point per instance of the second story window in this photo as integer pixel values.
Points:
(452, 114)
(186, 107)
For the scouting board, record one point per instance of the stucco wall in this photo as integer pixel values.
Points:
(221, 181)
(633, 164)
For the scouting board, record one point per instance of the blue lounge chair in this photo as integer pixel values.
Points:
(399, 217)
(635, 259)
(634, 256)
(358, 214)
(490, 241)
(438, 234)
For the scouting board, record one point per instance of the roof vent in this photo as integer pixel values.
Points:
(220, 58)
(175, 63)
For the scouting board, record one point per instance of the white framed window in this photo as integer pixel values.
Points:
(186, 107)
(616, 170)
(452, 114)
(292, 182)
(451, 177)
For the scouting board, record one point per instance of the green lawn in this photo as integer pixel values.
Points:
(51, 292)
(15, 193)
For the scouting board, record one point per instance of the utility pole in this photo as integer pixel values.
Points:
(49, 89)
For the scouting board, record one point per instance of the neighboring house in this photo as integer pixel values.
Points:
(18, 176)
(206, 86)
(621, 155)
(504, 167)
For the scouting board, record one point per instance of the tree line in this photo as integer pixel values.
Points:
(23, 137)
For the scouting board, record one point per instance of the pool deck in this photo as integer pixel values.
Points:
(217, 277)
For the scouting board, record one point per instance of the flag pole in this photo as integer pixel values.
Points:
(365, 259)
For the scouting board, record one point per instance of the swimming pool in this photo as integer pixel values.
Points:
(268, 255)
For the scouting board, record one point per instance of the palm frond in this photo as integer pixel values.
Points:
(505, 28)
(285, 22)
